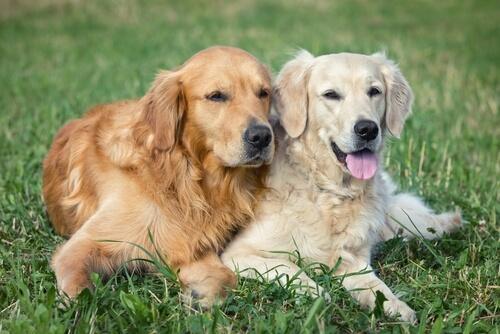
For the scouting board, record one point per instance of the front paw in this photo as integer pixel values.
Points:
(451, 221)
(71, 282)
(70, 290)
(399, 309)
(209, 289)
(193, 298)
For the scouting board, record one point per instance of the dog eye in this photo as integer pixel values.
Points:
(263, 94)
(217, 96)
(332, 95)
(373, 91)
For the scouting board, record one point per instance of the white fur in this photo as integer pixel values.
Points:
(315, 206)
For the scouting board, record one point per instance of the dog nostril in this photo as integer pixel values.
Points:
(367, 130)
(258, 136)
(265, 138)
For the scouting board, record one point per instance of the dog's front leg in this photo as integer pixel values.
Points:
(77, 258)
(360, 280)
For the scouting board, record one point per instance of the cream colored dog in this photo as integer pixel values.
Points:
(330, 199)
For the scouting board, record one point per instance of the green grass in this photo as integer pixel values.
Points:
(59, 57)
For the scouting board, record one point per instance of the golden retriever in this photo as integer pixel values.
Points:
(332, 201)
(184, 164)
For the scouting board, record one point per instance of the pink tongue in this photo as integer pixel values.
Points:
(362, 165)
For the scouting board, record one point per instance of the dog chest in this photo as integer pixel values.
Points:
(326, 225)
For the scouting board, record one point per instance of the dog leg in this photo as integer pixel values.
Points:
(409, 216)
(206, 280)
(282, 270)
(362, 283)
(75, 260)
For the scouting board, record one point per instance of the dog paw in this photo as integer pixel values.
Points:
(64, 301)
(451, 221)
(193, 298)
(71, 287)
(204, 298)
(397, 308)
(208, 290)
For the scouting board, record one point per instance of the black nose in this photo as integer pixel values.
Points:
(367, 130)
(259, 136)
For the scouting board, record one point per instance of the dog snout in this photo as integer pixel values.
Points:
(259, 136)
(365, 129)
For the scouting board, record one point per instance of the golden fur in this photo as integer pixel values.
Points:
(169, 163)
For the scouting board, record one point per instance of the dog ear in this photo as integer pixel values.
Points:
(290, 93)
(164, 109)
(399, 97)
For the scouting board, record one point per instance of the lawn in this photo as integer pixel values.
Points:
(59, 57)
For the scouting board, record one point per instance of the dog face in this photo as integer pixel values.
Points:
(347, 101)
(221, 99)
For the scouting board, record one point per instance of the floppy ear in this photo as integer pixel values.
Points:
(290, 93)
(164, 109)
(399, 97)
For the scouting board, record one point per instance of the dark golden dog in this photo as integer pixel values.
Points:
(184, 164)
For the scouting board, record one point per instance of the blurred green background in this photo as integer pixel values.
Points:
(59, 57)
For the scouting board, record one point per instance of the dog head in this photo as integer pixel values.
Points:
(220, 99)
(348, 101)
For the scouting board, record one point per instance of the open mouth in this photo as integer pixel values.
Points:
(361, 164)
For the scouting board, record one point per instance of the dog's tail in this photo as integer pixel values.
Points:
(408, 216)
